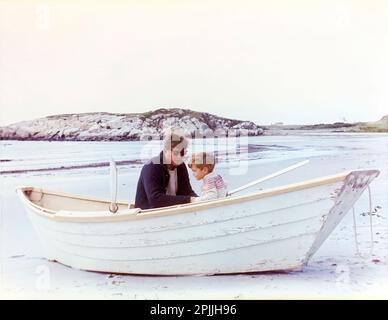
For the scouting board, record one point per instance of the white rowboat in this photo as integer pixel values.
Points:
(270, 230)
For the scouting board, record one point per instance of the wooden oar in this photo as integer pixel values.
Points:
(113, 186)
(273, 175)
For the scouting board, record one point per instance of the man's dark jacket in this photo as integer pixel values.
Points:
(153, 182)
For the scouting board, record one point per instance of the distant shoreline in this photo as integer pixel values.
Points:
(152, 125)
(269, 131)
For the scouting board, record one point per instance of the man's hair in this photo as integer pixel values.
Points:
(202, 160)
(175, 140)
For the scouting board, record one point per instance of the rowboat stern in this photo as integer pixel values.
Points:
(344, 198)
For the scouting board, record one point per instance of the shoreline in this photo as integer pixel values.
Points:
(269, 131)
(72, 167)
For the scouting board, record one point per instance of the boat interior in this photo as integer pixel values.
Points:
(57, 201)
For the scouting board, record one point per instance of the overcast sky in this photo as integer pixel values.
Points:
(265, 61)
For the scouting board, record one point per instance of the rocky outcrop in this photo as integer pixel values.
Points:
(117, 127)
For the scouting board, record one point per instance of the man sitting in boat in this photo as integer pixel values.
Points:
(164, 180)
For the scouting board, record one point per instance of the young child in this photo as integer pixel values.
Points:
(202, 164)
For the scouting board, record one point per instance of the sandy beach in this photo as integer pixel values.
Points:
(335, 271)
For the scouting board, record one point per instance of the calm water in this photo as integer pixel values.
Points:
(40, 157)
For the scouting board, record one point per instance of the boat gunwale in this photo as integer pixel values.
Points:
(176, 209)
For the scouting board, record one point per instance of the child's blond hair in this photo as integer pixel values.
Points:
(202, 160)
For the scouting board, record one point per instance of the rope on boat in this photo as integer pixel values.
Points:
(370, 221)
(355, 232)
(370, 228)
(113, 207)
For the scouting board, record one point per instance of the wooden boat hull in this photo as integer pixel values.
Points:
(271, 230)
